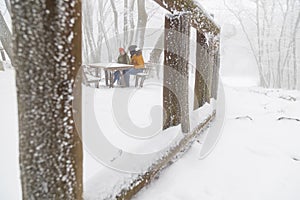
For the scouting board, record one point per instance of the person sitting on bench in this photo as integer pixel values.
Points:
(138, 61)
(122, 59)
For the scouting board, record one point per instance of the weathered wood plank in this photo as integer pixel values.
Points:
(200, 19)
(176, 71)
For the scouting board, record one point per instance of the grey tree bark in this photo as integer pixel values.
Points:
(91, 54)
(129, 25)
(116, 22)
(104, 32)
(142, 23)
(156, 54)
(47, 49)
(296, 64)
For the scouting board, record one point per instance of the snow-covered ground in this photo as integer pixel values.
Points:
(105, 110)
(257, 157)
(10, 187)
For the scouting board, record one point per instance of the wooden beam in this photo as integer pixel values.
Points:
(200, 19)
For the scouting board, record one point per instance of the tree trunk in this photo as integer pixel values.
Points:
(176, 73)
(128, 22)
(142, 23)
(90, 45)
(131, 22)
(116, 22)
(295, 63)
(104, 31)
(47, 45)
(156, 54)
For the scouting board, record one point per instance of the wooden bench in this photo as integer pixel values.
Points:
(88, 78)
(1, 66)
(142, 76)
(3, 59)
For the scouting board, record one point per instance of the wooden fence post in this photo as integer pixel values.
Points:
(176, 73)
(202, 72)
(216, 68)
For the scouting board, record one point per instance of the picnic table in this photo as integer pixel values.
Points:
(109, 69)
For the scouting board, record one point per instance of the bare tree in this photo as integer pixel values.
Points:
(156, 54)
(295, 58)
(116, 22)
(47, 49)
(251, 43)
(274, 46)
(142, 23)
(102, 30)
(89, 41)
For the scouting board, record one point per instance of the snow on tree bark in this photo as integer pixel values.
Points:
(47, 49)
(176, 75)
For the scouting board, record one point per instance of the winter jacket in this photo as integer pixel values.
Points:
(138, 61)
(124, 59)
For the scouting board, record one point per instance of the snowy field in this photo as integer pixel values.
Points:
(257, 157)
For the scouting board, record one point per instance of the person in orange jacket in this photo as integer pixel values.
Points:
(138, 61)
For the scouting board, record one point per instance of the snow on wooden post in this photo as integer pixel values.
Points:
(199, 19)
(201, 87)
(176, 74)
(216, 66)
(210, 64)
(3, 58)
(47, 49)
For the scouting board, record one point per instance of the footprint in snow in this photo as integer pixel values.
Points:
(296, 158)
